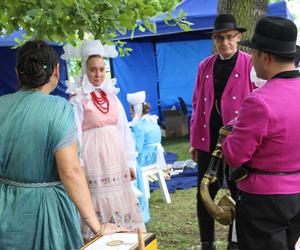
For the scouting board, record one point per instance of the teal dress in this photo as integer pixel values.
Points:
(35, 210)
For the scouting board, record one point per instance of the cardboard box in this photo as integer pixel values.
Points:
(176, 123)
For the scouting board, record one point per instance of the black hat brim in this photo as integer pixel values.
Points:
(249, 44)
(240, 29)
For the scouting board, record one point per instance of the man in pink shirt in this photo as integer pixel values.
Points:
(266, 140)
(222, 83)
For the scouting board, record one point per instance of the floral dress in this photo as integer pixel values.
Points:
(106, 154)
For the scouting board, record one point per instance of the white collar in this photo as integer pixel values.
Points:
(108, 86)
(152, 118)
(87, 86)
(227, 58)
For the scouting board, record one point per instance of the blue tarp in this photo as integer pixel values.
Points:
(166, 62)
(143, 56)
(185, 180)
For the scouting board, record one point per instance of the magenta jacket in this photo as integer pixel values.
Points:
(266, 136)
(237, 88)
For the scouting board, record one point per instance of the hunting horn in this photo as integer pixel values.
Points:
(224, 211)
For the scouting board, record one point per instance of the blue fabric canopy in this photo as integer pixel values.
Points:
(164, 64)
(201, 13)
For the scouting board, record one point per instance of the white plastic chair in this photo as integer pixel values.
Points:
(156, 169)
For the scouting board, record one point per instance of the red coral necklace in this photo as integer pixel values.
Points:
(101, 103)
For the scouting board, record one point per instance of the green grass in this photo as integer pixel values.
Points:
(178, 145)
(175, 224)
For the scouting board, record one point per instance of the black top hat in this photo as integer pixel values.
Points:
(276, 35)
(226, 22)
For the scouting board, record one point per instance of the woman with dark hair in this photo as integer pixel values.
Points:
(107, 151)
(40, 173)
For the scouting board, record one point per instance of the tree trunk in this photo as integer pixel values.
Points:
(246, 12)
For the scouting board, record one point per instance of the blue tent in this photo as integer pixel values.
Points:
(164, 64)
(8, 78)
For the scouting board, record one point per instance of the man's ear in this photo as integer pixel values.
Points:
(267, 58)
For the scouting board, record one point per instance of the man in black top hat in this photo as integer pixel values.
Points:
(222, 83)
(266, 138)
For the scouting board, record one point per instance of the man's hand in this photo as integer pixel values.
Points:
(194, 154)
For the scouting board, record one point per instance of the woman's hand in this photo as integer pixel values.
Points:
(106, 229)
(132, 174)
(110, 228)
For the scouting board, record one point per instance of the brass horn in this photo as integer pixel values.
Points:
(224, 211)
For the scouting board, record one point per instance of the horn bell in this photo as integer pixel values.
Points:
(224, 211)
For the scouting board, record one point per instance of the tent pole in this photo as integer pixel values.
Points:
(111, 67)
(157, 82)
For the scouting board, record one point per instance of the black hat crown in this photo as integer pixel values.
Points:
(226, 22)
(276, 35)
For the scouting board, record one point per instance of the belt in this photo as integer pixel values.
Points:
(242, 172)
(29, 185)
(258, 171)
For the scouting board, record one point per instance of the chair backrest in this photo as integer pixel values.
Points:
(183, 106)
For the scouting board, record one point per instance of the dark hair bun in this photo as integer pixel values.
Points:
(35, 63)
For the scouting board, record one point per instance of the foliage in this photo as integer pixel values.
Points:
(71, 20)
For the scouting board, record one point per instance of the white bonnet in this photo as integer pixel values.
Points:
(88, 48)
(136, 97)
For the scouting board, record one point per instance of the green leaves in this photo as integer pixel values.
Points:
(68, 3)
(71, 20)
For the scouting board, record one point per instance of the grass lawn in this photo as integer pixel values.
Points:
(175, 224)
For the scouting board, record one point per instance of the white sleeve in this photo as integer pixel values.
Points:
(258, 82)
(126, 135)
(78, 116)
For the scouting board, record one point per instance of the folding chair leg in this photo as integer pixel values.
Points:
(146, 185)
(163, 187)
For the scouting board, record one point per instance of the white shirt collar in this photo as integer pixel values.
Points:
(108, 86)
(87, 86)
(227, 58)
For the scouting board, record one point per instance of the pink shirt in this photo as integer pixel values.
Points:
(237, 88)
(94, 118)
(266, 136)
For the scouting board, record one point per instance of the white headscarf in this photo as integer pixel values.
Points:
(137, 99)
